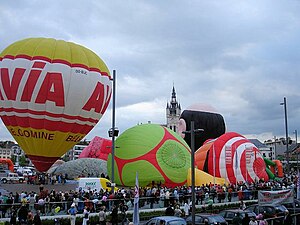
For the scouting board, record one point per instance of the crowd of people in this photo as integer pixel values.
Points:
(45, 202)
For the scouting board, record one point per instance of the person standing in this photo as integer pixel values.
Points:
(13, 216)
(186, 209)
(72, 211)
(102, 216)
(287, 218)
(114, 215)
(236, 220)
(22, 214)
(253, 221)
(86, 213)
(37, 218)
(246, 219)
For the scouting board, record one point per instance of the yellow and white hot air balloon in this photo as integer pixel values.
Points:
(52, 93)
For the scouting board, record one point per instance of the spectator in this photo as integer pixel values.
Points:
(22, 214)
(177, 211)
(13, 217)
(102, 216)
(37, 219)
(72, 211)
(86, 213)
(253, 221)
(114, 215)
(236, 220)
(246, 219)
(287, 218)
(169, 211)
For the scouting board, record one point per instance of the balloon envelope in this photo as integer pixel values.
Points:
(233, 157)
(52, 93)
(98, 148)
(157, 153)
(205, 118)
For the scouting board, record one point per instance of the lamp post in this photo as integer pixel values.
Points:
(192, 132)
(296, 137)
(286, 134)
(113, 132)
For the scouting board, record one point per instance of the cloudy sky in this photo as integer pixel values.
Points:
(241, 57)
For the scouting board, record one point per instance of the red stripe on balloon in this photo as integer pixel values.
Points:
(27, 122)
(244, 169)
(61, 61)
(42, 163)
(45, 113)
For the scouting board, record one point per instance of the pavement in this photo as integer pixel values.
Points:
(17, 187)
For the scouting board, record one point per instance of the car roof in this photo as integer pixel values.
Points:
(236, 210)
(206, 214)
(168, 218)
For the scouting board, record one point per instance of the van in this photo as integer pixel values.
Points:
(25, 172)
(93, 183)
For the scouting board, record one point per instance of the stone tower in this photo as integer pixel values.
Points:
(173, 112)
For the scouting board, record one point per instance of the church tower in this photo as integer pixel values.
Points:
(173, 112)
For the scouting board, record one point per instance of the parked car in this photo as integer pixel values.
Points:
(292, 209)
(228, 214)
(3, 173)
(290, 206)
(169, 220)
(212, 219)
(12, 178)
(269, 211)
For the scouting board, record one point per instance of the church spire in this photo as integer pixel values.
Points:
(173, 111)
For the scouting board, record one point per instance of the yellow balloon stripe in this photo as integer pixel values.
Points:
(41, 142)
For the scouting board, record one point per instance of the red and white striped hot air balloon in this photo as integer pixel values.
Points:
(233, 157)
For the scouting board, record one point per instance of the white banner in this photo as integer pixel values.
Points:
(275, 197)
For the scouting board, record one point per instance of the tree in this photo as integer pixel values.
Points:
(22, 160)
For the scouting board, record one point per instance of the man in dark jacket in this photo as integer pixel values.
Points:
(236, 220)
(22, 214)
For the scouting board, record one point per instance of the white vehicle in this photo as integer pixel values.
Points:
(93, 183)
(12, 178)
(25, 172)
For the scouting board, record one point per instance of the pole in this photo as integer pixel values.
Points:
(236, 165)
(214, 161)
(296, 136)
(286, 136)
(246, 159)
(113, 129)
(193, 169)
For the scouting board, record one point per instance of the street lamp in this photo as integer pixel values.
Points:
(192, 132)
(296, 136)
(113, 132)
(286, 134)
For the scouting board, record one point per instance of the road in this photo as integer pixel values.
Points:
(31, 187)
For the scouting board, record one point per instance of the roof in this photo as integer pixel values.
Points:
(257, 143)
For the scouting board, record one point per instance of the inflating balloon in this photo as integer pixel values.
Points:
(202, 178)
(233, 157)
(98, 148)
(52, 93)
(157, 153)
(205, 117)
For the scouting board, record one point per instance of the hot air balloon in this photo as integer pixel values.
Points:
(205, 117)
(98, 148)
(52, 93)
(233, 157)
(157, 153)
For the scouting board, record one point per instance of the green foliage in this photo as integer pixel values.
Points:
(22, 161)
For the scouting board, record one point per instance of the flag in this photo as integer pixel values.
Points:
(298, 186)
(136, 215)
